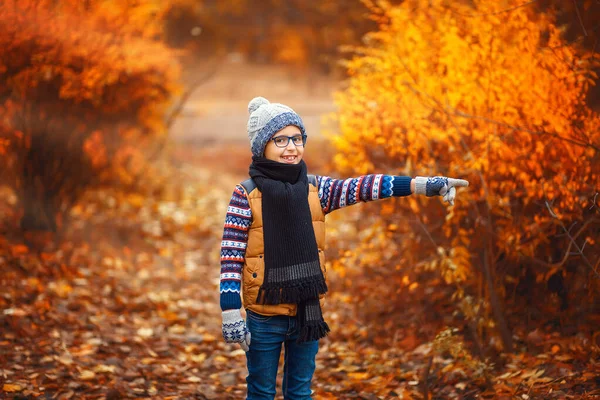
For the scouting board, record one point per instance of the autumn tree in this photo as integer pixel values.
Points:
(296, 33)
(494, 94)
(86, 85)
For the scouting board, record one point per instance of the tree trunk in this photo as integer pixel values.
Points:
(505, 333)
(38, 214)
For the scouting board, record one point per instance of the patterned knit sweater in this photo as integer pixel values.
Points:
(333, 194)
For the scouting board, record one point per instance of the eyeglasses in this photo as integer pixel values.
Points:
(284, 141)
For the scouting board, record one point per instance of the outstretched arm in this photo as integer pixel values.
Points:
(338, 193)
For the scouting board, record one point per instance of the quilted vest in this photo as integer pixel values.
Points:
(254, 266)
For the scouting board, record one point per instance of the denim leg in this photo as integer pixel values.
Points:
(268, 334)
(299, 368)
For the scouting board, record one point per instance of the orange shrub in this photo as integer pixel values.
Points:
(495, 97)
(81, 79)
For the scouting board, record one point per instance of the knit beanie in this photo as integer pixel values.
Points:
(266, 119)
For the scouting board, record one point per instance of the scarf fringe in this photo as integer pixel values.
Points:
(313, 332)
(302, 291)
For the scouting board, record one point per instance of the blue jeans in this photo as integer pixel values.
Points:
(268, 334)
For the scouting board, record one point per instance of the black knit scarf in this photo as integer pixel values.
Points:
(292, 269)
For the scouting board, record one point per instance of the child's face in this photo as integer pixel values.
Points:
(290, 154)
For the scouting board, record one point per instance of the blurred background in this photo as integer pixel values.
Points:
(123, 134)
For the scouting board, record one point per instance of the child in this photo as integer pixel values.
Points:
(273, 245)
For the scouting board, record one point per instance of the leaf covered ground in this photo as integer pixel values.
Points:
(127, 306)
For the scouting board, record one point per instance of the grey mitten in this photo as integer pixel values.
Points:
(439, 186)
(234, 329)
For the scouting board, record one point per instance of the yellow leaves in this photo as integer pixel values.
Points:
(141, 18)
(454, 265)
(61, 288)
(358, 376)
(200, 358)
(168, 315)
(291, 47)
(207, 337)
(135, 200)
(448, 341)
(11, 388)
(338, 267)
(87, 375)
(145, 333)
(483, 101)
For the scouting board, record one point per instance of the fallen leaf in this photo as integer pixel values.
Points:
(10, 388)
(145, 332)
(87, 375)
(198, 358)
(66, 395)
(19, 250)
(105, 368)
(17, 312)
(207, 337)
(358, 376)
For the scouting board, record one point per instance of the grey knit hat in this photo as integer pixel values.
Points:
(266, 119)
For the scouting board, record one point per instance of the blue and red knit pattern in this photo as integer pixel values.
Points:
(233, 249)
(338, 193)
(333, 194)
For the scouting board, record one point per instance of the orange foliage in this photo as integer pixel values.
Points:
(295, 32)
(495, 97)
(75, 70)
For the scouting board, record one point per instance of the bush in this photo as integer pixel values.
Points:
(86, 85)
(497, 98)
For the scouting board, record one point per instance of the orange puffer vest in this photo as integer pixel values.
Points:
(254, 265)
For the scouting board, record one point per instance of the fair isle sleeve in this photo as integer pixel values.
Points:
(233, 249)
(338, 193)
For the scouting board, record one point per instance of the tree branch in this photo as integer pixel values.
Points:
(572, 239)
(518, 128)
(186, 95)
(453, 111)
(579, 16)
(571, 242)
(176, 111)
(496, 12)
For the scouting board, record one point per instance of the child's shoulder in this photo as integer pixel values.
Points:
(239, 191)
(248, 186)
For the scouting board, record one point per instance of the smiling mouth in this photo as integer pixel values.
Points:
(289, 158)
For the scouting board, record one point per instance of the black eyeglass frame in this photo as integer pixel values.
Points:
(304, 137)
